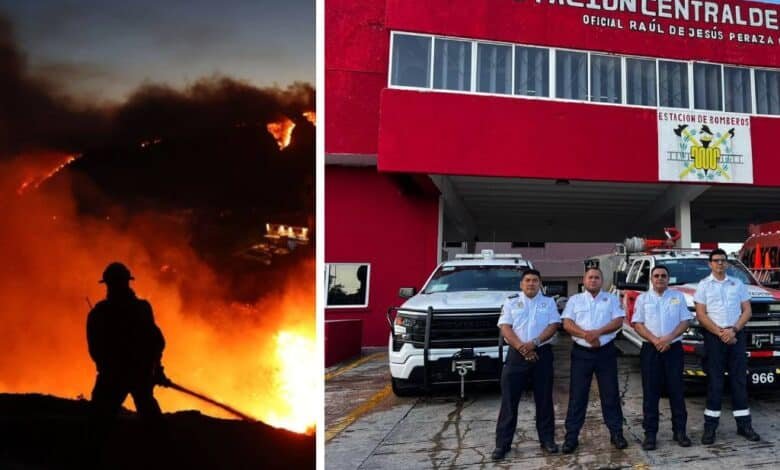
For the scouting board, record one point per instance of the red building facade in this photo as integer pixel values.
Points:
(561, 90)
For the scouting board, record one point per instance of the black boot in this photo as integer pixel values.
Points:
(709, 435)
(499, 453)
(682, 439)
(549, 446)
(649, 442)
(618, 440)
(569, 446)
(748, 433)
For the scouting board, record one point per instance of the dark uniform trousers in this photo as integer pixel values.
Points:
(107, 397)
(514, 379)
(658, 369)
(584, 363)
(721, 357)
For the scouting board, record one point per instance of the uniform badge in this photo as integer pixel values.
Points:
(674, 301)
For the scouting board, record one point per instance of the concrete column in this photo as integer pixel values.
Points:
(682, 220)
(440, 235)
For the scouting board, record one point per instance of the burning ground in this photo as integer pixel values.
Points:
(174, 183)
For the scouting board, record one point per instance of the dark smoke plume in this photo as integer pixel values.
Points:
(31, 115)
(34, 116)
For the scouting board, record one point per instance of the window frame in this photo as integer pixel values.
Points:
(552, 82)
(368, 285)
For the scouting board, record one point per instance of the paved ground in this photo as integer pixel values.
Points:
(368, 427)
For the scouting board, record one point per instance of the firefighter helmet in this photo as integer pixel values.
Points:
(116, 272)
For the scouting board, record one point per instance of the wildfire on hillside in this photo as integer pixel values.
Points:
(257, 357)
(281, 130)
(42, 166)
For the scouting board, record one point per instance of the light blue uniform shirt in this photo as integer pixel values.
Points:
(661, 313)
(591, 313)
(529, 316)
(723, 299)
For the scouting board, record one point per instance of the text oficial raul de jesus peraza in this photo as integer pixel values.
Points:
(764, 20)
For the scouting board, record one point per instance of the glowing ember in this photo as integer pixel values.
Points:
(281, 131)
(310, 116)
(148, 143)
(297, 381)
(40, 175)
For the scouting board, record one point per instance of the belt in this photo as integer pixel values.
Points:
(600, 348)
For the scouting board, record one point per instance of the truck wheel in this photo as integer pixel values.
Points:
(402, 388)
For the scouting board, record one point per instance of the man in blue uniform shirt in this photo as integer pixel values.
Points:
(723, 308)
(660, 317)
(592, 318)
(528, 322)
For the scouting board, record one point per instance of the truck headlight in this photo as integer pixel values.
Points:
(693, 334)
(403, 326)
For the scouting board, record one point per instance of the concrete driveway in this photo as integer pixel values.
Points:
(368, 427)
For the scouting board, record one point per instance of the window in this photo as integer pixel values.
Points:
(552, 288)
(644, 273)
(672, 84)
(737, 86)
(532, 71)
(634, 271)
(452, 65)
(571, 80)
(347, 284)
(640, 82)
(469, 65)
(707, 88)
(767, 92)
(471, 278)
(527, 244)
(494, 68)
(605, 81)
(411, 61)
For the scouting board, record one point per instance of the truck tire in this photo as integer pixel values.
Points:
(402, 388)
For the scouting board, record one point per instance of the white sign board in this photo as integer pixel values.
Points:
(704, 147)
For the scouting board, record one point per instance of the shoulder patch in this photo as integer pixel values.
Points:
(513, 296)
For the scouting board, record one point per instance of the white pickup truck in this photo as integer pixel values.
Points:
(447, 333)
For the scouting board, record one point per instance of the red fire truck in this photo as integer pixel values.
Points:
(627, 273)
(761, 253)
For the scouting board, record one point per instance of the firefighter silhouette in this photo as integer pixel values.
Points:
(126, 346)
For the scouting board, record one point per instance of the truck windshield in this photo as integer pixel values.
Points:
(693, 270)
(469, 278)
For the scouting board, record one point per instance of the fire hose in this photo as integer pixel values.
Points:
(168, 383)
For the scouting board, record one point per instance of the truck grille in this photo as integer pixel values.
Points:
(456, 329)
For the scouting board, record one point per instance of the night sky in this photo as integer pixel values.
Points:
(102, 50)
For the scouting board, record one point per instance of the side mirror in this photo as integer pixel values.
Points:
(407, 292)
(620, 282)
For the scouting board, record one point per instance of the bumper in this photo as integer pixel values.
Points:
(408, 364)
(761, 372)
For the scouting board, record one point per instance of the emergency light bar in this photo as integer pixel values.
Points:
(488, 254)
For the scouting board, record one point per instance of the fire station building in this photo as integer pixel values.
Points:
(459, 124)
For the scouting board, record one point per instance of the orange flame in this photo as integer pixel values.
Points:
(281, 131)
(310, 116)
(39, 169)
(297, 381)
(248, 356)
